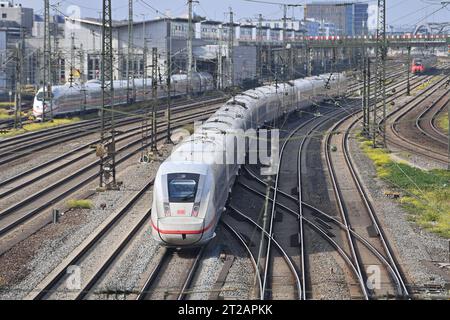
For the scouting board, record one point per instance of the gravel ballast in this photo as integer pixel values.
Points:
(27, 263)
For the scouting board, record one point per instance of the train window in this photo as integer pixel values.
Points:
(182, 186)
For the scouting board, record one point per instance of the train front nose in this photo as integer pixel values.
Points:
(179, 213)
(179, 231)
(37, 109)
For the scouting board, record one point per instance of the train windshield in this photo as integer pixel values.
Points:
(182, 187)
(40, 96)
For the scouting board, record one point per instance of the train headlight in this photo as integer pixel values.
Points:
(166, 209)
(195, 209)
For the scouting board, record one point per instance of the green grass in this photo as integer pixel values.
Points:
(39, 126)
(4, 114)
(442, 122)
(79, 204)
(6, 104)
(425, 194)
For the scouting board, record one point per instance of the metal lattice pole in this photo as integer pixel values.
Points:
(144, 59)
(145, 154)
(260, 41)
(47, 66)
(72, 58)
(154, 97)
(106, 149)
(19, 80)
(130, 57)
(220, 60)
(309, 58)
(169, 80)
(56, 55)
(189, 48)
(230, 49)
(368, 95)
(364, 91)
(82, 79)
(285, 54)
(379, 104)
(408, 70)
(448, 116)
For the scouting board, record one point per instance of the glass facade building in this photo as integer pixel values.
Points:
(350, 19)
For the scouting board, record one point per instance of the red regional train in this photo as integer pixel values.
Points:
(423, 64)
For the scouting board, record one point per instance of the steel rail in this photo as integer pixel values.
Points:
(417, 147)
(124, 135)
(393, 263)
(247, 248)
(120, 115)
(44, 287)
(89, 284)
(286, 257)
(153, 275)
(441, 138)
(272, 218)
(337, 193)
(12, 151)
(338, 223)
(165, 260)
(36, 210)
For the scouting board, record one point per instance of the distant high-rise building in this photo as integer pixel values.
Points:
(349, 18)
(16, 13)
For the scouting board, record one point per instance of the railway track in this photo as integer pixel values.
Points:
(404, 123)
(425, 120)
(270, 239)
(160, 284)
(295, 207)
(283, 202)
(14, 218)
(352, 201)
(64, 133)
(25, 178)
(23, 145)
(435, 127)
(357, 214)
(54, 285)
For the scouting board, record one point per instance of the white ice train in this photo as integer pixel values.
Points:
(192, 185)
(79, 98)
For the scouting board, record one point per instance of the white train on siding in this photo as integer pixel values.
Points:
(79, 98)
(190, 191)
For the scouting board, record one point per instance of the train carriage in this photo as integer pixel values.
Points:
(192, 186)
(423, 64)
(75, 98)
